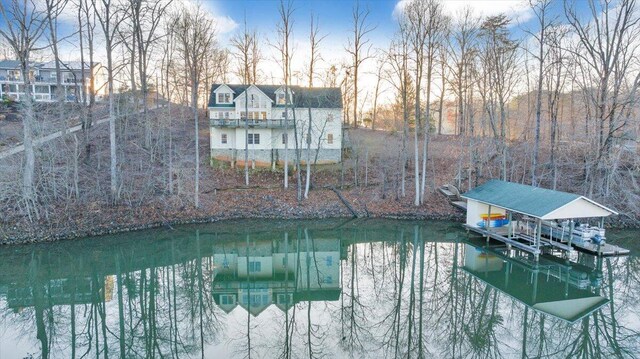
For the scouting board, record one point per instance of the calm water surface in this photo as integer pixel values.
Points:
(333, 288)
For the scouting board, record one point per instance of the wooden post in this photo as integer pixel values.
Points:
(538, 230)
(488, 223)
(570, 232)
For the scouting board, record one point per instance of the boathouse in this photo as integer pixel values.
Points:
(543, 218)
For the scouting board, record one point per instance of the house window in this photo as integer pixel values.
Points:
(327, 279)
(329, 261)
(264, 115)
(227, 299)
(329, 117)
(308, 138)
(330, 138)
(285, 298)
(255, 267)
(280, 99)
(223, 138)
(224, 97)
(284, 114)
(253, 138)
(284, 138)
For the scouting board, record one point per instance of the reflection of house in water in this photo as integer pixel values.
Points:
(62, 291)
(564, 290)
(257, 274)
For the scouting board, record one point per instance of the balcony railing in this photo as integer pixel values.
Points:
(269, 123)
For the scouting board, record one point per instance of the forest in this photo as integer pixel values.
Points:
(454, 99)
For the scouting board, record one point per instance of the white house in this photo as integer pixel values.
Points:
(270, 126)
(43, 79)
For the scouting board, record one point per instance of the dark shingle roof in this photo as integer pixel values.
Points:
(316, 97)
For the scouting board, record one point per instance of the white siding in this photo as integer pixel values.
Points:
(216, 138)
(265, 139)
(475, 209)
(325, 121)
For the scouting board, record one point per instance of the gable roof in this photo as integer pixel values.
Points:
(536, 202)
(544, 294)
(315, 97)
(9, 64)
(247, 89)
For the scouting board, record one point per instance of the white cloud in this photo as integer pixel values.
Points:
(517, 10)
(225, 24)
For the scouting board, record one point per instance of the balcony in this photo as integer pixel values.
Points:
(269, 123)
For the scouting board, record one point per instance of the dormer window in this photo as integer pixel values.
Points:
(224, 97)
(280, 98)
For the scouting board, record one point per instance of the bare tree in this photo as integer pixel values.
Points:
(540, 9)
(195, 32)
(359, 48)
(314, 41)
(606, 55)
(54, 8)
(377, 91)
(462, 51)
(247, 53)
(25, 24)
(283, 45)
(425, 24)
(110, 17)
(146, 16)
(500, 66)
(398, 76)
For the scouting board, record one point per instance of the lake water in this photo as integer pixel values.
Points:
(298, 289)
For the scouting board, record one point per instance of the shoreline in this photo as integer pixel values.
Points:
(104, 230)
(118, 229)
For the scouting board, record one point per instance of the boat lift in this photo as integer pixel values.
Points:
(535, 219)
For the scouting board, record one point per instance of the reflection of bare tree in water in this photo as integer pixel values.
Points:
(481, 326)
(354, 324)
(154, 306)
(402, 297)
(600, 334)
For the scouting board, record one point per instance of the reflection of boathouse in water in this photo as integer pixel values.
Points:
(257, 274)
(563, 289)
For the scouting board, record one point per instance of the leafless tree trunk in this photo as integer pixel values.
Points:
(314, 41)
(196, 38)
(285, 27)
(24, 25)
(54, 8)
(540, 9)
(248, 56)
(110, 18)
(359, 49)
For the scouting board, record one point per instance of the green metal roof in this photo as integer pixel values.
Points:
(521, 198)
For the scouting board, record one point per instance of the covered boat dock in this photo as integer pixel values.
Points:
(534, 219)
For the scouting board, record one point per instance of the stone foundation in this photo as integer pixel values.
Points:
(266, 158)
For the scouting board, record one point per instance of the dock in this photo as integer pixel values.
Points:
(453, 196)
(537, 220)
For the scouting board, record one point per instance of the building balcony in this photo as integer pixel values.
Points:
(268, 123)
